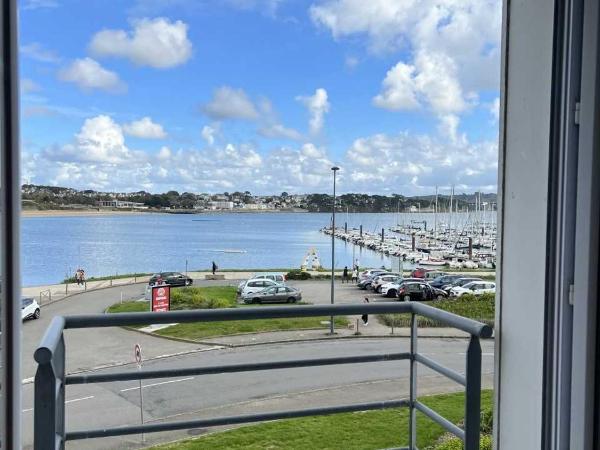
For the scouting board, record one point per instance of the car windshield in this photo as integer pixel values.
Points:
(26, 302)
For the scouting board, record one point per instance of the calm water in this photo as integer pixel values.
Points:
(53, 247)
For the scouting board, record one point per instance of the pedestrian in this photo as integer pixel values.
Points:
(355, 275)
(345, 275)
(77, 276)
(214, 267)
(365, 317)
(82, 276)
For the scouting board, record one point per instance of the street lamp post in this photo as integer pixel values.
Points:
(334, 169)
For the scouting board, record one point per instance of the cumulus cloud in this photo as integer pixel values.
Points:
(494, 109)
(230, 103)
(415, 164)
(208, 134)
(158, 43)
(145, 128)
(88, 74)
(452, 47)
(317, 105)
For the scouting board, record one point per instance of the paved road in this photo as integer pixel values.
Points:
(112, 404)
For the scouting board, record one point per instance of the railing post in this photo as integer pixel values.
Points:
(412, 418)
(49, 401)
(473, 395)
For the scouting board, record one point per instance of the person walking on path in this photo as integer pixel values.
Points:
(365, 317)
(345, 275)
(214, 267)
(354, 275)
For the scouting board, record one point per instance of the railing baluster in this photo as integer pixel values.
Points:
(473, 395)
(49, 394)
(412, 419)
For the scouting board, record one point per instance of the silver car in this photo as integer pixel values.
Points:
(274, 294)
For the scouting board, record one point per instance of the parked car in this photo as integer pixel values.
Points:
(379, 280)
(256, 285)
(419, 291)
(171, 278)
(274, 294)
(365, 283)
(433, 274)
(420, 272)
(474, 287)
(391, 289)
(273, 276)
(444, 280)
(29, 308)
(459, 282)
(370, 273)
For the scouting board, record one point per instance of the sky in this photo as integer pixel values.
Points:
(260, 95)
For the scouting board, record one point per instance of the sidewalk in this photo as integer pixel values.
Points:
(373, 330)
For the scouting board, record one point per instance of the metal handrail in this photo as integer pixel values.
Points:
(50, 379)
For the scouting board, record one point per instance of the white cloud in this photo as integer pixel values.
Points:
(208, 134)
(145, 128)
(318, 106)
(100, 140)
(230, 103)
(451, 47)
(88, 74)
(278, 131)
(27, 85)
(267, 7)
(494, 109)
(39, 53)
(157, 43)
(415, 164)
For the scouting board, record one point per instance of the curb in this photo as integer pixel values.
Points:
(89, 290)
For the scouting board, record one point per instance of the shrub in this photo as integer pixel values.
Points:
(202, 298)
(298, 275)
(454, 443)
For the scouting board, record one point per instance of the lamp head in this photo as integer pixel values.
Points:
(335, 168)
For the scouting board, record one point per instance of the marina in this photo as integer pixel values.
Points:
(439, 239)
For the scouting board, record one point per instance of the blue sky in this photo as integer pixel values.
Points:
(260, 95)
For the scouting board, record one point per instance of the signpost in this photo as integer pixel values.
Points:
(137, 351)
(161, 298)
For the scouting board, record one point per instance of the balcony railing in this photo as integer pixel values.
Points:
(51, 379)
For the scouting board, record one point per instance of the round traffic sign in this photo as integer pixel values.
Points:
(138, 353)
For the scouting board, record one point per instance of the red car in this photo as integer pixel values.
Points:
(419, 272)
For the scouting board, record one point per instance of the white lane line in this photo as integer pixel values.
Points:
(68, 401)
(156, 384)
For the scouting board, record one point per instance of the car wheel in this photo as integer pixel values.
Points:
(378, 289)
(188, 282)
(440, 297)
(291, 300)
(36, 314)
(256, 300)
(407, 298)
(391, 293)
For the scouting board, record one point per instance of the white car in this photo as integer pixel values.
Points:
(29, 308)
(256, 285)
(474, 287)
(273, 276)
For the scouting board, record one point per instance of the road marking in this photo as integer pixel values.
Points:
(68, 401)
(156, 384)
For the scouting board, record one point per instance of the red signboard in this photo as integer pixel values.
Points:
(161, 298)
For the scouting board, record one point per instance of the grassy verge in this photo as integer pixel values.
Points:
(480, 308)
(213, 297)
(351, 431)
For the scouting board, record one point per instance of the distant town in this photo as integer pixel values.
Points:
(36, 197)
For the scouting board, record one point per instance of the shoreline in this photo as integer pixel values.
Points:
(113, 212)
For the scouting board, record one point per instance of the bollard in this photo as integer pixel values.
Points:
(356, 333)
(67, 288)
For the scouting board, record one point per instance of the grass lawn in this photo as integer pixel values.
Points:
(480, 308)
(360, 431)
(219, 297)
